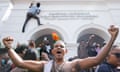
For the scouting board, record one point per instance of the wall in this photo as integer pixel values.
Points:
(70, 19)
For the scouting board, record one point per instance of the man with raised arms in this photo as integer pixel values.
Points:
(59, 50)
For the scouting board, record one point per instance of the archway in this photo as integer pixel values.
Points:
(96, 39)
(99, 35)
(83, 38)
(44, 34)
(45, 30)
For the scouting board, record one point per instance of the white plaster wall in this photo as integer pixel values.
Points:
(114, 8)
(103, 17)
(104, 14)
(3, 7)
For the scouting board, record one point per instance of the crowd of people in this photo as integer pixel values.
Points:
(91, 49)
(44, 58)
(26, 52)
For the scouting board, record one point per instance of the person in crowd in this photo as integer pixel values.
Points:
(84, 49)
(32, 53)
(97, 48)
(44, 56)
(47, 48)
(58, 64)
(112, 61)
(84, 46)
(20, 50)
(32, 13)
(91, 47)
(4, 58)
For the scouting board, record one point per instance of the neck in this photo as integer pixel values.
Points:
(59, 61)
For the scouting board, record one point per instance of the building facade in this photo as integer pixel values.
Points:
(72, 20)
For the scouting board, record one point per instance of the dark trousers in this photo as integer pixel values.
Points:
(28, 17)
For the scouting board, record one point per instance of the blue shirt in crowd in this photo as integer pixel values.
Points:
(106, 67)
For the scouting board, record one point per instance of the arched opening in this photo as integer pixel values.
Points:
(85, 50)
(45, 34)
(100, 35)
(42, 31)
(44, 37)
(96, 39)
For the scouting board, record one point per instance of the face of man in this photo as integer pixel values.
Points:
(59, 50)
(115, 57)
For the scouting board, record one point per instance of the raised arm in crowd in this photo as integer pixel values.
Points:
(58, 51)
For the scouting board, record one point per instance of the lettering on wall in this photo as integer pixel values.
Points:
(69, 15)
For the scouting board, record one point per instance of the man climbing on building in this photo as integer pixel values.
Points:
(32, 13)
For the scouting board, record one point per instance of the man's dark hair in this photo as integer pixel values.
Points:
(38, 4)
(21, 48)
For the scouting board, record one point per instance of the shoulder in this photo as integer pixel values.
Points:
(75, 63)
(73, 66)
(103, 67)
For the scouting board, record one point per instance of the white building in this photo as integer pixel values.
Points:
(71, 19)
